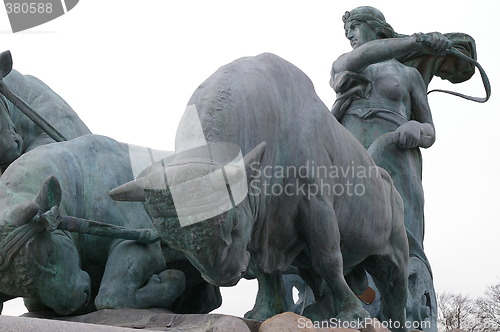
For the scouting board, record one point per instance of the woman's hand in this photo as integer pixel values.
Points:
(414, 134)
(433, 43)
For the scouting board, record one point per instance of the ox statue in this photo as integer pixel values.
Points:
(11, 143)
(20, 133)
(72, 272)
(265, 178)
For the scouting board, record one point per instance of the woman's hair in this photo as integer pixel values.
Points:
(374, 18)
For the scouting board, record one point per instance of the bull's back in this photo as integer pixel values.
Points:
(45, 102)
(87, 168)
(264, 99)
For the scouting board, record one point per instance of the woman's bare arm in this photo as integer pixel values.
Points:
(385, 49)
(373, 52)
(420, 131)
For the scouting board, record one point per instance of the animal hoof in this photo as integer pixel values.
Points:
(154, 279)
(260, 314)
(354, 316)
(172, 276)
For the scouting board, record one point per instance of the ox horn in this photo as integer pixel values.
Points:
(234, 174)
(22, 213)
(128, 192)
(133, 191)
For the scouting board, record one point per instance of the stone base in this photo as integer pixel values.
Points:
(128, 320)
(155, 319)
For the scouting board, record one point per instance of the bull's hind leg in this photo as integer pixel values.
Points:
(135, 277)
(390, 276)
(321, 232)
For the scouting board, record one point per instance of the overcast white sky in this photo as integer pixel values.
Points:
(129, 67)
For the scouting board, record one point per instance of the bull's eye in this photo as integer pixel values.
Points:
(47, 269)
(50, 252)
(225, 252)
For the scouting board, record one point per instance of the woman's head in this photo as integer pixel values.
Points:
(372, 17)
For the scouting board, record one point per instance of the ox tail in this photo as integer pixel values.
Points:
(377, 148)
(376, 151)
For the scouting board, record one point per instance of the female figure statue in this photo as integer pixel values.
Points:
(378, 94)
(381, 88)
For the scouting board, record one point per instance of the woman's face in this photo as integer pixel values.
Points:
(359, 32)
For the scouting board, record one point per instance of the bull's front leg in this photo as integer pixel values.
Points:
(270, 296)
(321, 231)
(135, 277)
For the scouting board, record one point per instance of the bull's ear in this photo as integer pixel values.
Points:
(253, 159)
(50, 194)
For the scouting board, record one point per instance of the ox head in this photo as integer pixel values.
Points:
(11, 143)
(38, 263)
(201, 206)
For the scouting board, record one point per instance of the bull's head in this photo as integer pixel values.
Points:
(206, 216)
(38, 263)
(11, 143)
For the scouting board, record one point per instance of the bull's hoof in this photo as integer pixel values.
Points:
(171, 284)
(261, 313)
(161, 290)
(320, 310)
(323, 310)
(355, 316)
(172, 276)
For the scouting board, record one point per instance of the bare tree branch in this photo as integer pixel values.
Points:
(457, 312)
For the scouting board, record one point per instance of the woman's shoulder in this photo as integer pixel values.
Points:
(406, 71)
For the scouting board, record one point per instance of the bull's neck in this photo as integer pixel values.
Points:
(220, 126)
(207, 122)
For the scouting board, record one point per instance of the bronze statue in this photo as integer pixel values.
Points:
(68, 263)
(71, 272)
(381, 88)
(288, 214)
(31, 111)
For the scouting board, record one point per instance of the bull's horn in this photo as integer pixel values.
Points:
(130, 192)
(22, 213)
(234, 174)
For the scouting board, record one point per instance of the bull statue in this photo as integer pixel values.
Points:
(23, 132)
(11, 143)
(63, 184)
(265, 178)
